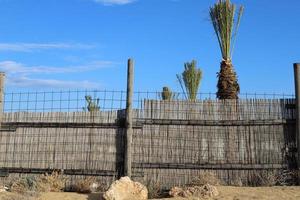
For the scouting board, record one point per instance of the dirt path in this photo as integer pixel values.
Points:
(226, 193)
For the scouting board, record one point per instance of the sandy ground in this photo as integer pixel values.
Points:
(259, 193)
(226, 193)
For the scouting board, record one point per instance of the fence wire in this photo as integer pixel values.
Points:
(63, 101)
(105, 100)
(83, 132)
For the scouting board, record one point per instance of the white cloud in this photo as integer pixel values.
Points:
(18, 74)
(51, 83)
(12, 67)
(29, 47)
(114, 2)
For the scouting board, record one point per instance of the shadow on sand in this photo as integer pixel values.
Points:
(95, 196)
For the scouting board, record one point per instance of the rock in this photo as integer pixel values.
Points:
(209, 191)
(3, 188)
(126, 189)
(94, 187)
(182, 192)
(196, 191)
(176, 192)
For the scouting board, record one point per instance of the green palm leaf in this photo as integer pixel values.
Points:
(226, 22)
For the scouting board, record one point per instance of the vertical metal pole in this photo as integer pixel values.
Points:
(128, 142)
(2, 80)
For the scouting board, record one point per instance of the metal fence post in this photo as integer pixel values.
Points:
(297, 94)
(128, 141)
(2, 80)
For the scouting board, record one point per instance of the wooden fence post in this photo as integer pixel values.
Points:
(297, 93)
(128, 142)
(2, 80)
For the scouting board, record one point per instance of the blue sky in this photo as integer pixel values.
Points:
(62, 44)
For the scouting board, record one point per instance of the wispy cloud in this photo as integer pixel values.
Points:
(12, 67)
(114, 2)
(29, 47)
(50, 83)
(19, 75)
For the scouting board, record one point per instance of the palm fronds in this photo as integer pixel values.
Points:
(190, 80)
(226, 22)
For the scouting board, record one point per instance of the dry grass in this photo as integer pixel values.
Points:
(23, 185)
(84, 185)
(237, 181)
(154, 189)
(22, 189)
(32, 185)
(264, 179)
(205, 178)
(271, 178)
(54, 182)
(87, 185)
(288, 177)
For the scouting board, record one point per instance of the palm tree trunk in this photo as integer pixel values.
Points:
(228, 87)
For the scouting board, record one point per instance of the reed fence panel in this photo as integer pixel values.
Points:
(173, 141)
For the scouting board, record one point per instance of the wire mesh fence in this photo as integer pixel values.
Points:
(172, 139)
(105, 100)
(63, 101)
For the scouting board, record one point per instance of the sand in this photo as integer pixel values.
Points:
(226, 193)
(259, 193)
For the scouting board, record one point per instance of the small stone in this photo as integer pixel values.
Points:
(209, 191)
(3, 188)
(176, 192)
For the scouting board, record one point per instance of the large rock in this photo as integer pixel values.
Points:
(126, 189)
(204, 191)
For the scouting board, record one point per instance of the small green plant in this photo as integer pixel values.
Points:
(92, 104)
(167, 94)
(190, 79)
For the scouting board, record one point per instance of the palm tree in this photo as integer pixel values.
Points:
(226, 21)
(190, 79)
